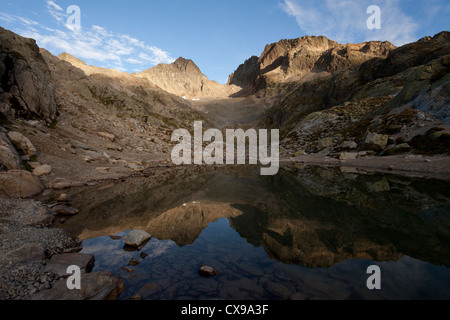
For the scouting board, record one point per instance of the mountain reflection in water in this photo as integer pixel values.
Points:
(306, 233)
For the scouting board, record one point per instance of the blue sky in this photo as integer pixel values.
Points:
(135, 35)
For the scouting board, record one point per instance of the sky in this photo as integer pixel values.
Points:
(218, 36)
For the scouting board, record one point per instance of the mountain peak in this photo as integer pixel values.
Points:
(295, 59)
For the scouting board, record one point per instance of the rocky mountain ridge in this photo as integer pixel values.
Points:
(303, 58)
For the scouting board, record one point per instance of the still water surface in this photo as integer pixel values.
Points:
(307, 233)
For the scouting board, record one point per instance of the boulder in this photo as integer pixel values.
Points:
(325, 143)
(60, 262)
(350, 145)
(9, 157)
(376, 142)
(94, 286)
(64, 197)
(34, 165)
(20, 184)
(348, 156)
(44, 170)
(137, 238)
(22, 143)
(396, 149)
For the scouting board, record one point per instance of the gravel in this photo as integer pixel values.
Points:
(27, 223)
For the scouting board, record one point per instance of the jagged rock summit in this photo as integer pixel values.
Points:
(302, 58)
(184, 78)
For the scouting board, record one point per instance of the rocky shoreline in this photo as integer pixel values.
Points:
(34, 257)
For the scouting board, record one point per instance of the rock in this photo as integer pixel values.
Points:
(376, 142)
(115, 238)
(278, 290)
(9, 157)
(437, 135)
(94, 286)
(22, 143)
(94, 156)
(379, 186)
(34, 165)
(143, 255)
(325, 143)
(59, 263)
(299, 153)
(66, 185)
(27, 78)
(151, 287)
(207, 271)
(20, 184)
(348, 156)
(65, 211)
(137, 238)
(396, 149)
(133, 262)
(108, 136)
(136, 297)
(363, 154)
(44, 170)
(64, 197)
(25, 254)
(350, 145)
(136, 167)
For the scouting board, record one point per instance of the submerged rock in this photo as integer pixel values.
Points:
(207, 271)
(133, 262)
(137, 238)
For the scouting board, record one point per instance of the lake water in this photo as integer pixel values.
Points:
(306, 233)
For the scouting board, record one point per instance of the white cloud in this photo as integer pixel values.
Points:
(94, 44)
(345, 21)
(56, 11)
(53, 5)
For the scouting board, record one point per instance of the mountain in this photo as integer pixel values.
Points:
(327, 99)
(402, 99)
(27, 89)
(82, 117)
(302, 58)
(184, 78)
